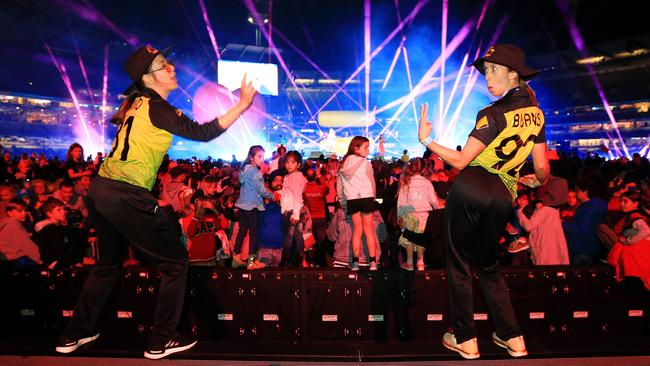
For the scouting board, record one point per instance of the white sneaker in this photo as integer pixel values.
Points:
(467, 349)
(175, 345)
(67, 345)
(373, 266)
(516, 346)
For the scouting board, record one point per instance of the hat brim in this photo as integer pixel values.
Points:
(524, 72)
(134, 86)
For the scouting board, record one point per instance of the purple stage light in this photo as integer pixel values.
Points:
(89, 13)
(366, 54)
(315, 65)
(443, 54)
(408, 75)
(86, 139)
(453, 89)
(208, 25)
(469, 85)
(260, 25)
(376, 51)
(563, 5)
(392, 64)
(400, 100)
(104, 94)
(417, 90)
(471, 80)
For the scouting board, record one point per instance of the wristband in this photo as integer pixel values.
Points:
(427, 141)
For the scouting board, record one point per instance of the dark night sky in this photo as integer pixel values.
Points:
(329, 32)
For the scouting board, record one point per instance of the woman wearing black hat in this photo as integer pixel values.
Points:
(123, 210)
(480, 199)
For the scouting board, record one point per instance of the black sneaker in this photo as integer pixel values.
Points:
(174, 345)
(67, 344)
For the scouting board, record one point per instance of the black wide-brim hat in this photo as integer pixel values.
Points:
(138, 63)
(506, 55)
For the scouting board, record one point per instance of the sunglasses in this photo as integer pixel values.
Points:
(166, 66)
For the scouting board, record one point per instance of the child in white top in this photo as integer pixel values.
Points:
(416, 198)
(357, 193)
(291, 202)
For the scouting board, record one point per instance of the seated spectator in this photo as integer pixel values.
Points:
(15, 242)
(82, 184)
(74, 202)
(7, 193)
(618, 186)
(25, 169)
(568, 210)
(60, 245)
(175, 190)
(545, 235)
(631, 261)
(632, 228)
(42, 190)
(582, 240)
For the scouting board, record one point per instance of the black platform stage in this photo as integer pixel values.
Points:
(332, 315)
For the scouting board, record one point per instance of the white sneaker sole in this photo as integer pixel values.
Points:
(169, 351)
(501, 343)
(464, 354)
(80, 342)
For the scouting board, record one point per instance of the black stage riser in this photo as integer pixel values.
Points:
(301, 306)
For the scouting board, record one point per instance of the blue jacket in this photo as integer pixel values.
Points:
(252, 192)
(581, 232)
(271, 234)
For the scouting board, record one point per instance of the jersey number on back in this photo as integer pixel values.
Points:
(506, 158)
(125, 150)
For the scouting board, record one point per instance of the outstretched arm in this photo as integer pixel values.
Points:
(164, 116)
(457, 159)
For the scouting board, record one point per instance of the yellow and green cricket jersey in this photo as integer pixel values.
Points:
(509, 128)
(145, 135)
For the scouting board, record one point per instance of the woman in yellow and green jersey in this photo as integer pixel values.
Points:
(480, 200)
(123, 210)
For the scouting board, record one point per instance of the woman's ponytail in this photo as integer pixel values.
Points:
(531, 93)
(120, 115)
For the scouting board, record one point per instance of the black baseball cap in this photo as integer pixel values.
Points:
(138, 63)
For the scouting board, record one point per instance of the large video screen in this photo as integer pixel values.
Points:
(230, 74)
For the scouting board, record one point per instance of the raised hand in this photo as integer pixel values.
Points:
(426, 127)
(246, 92)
